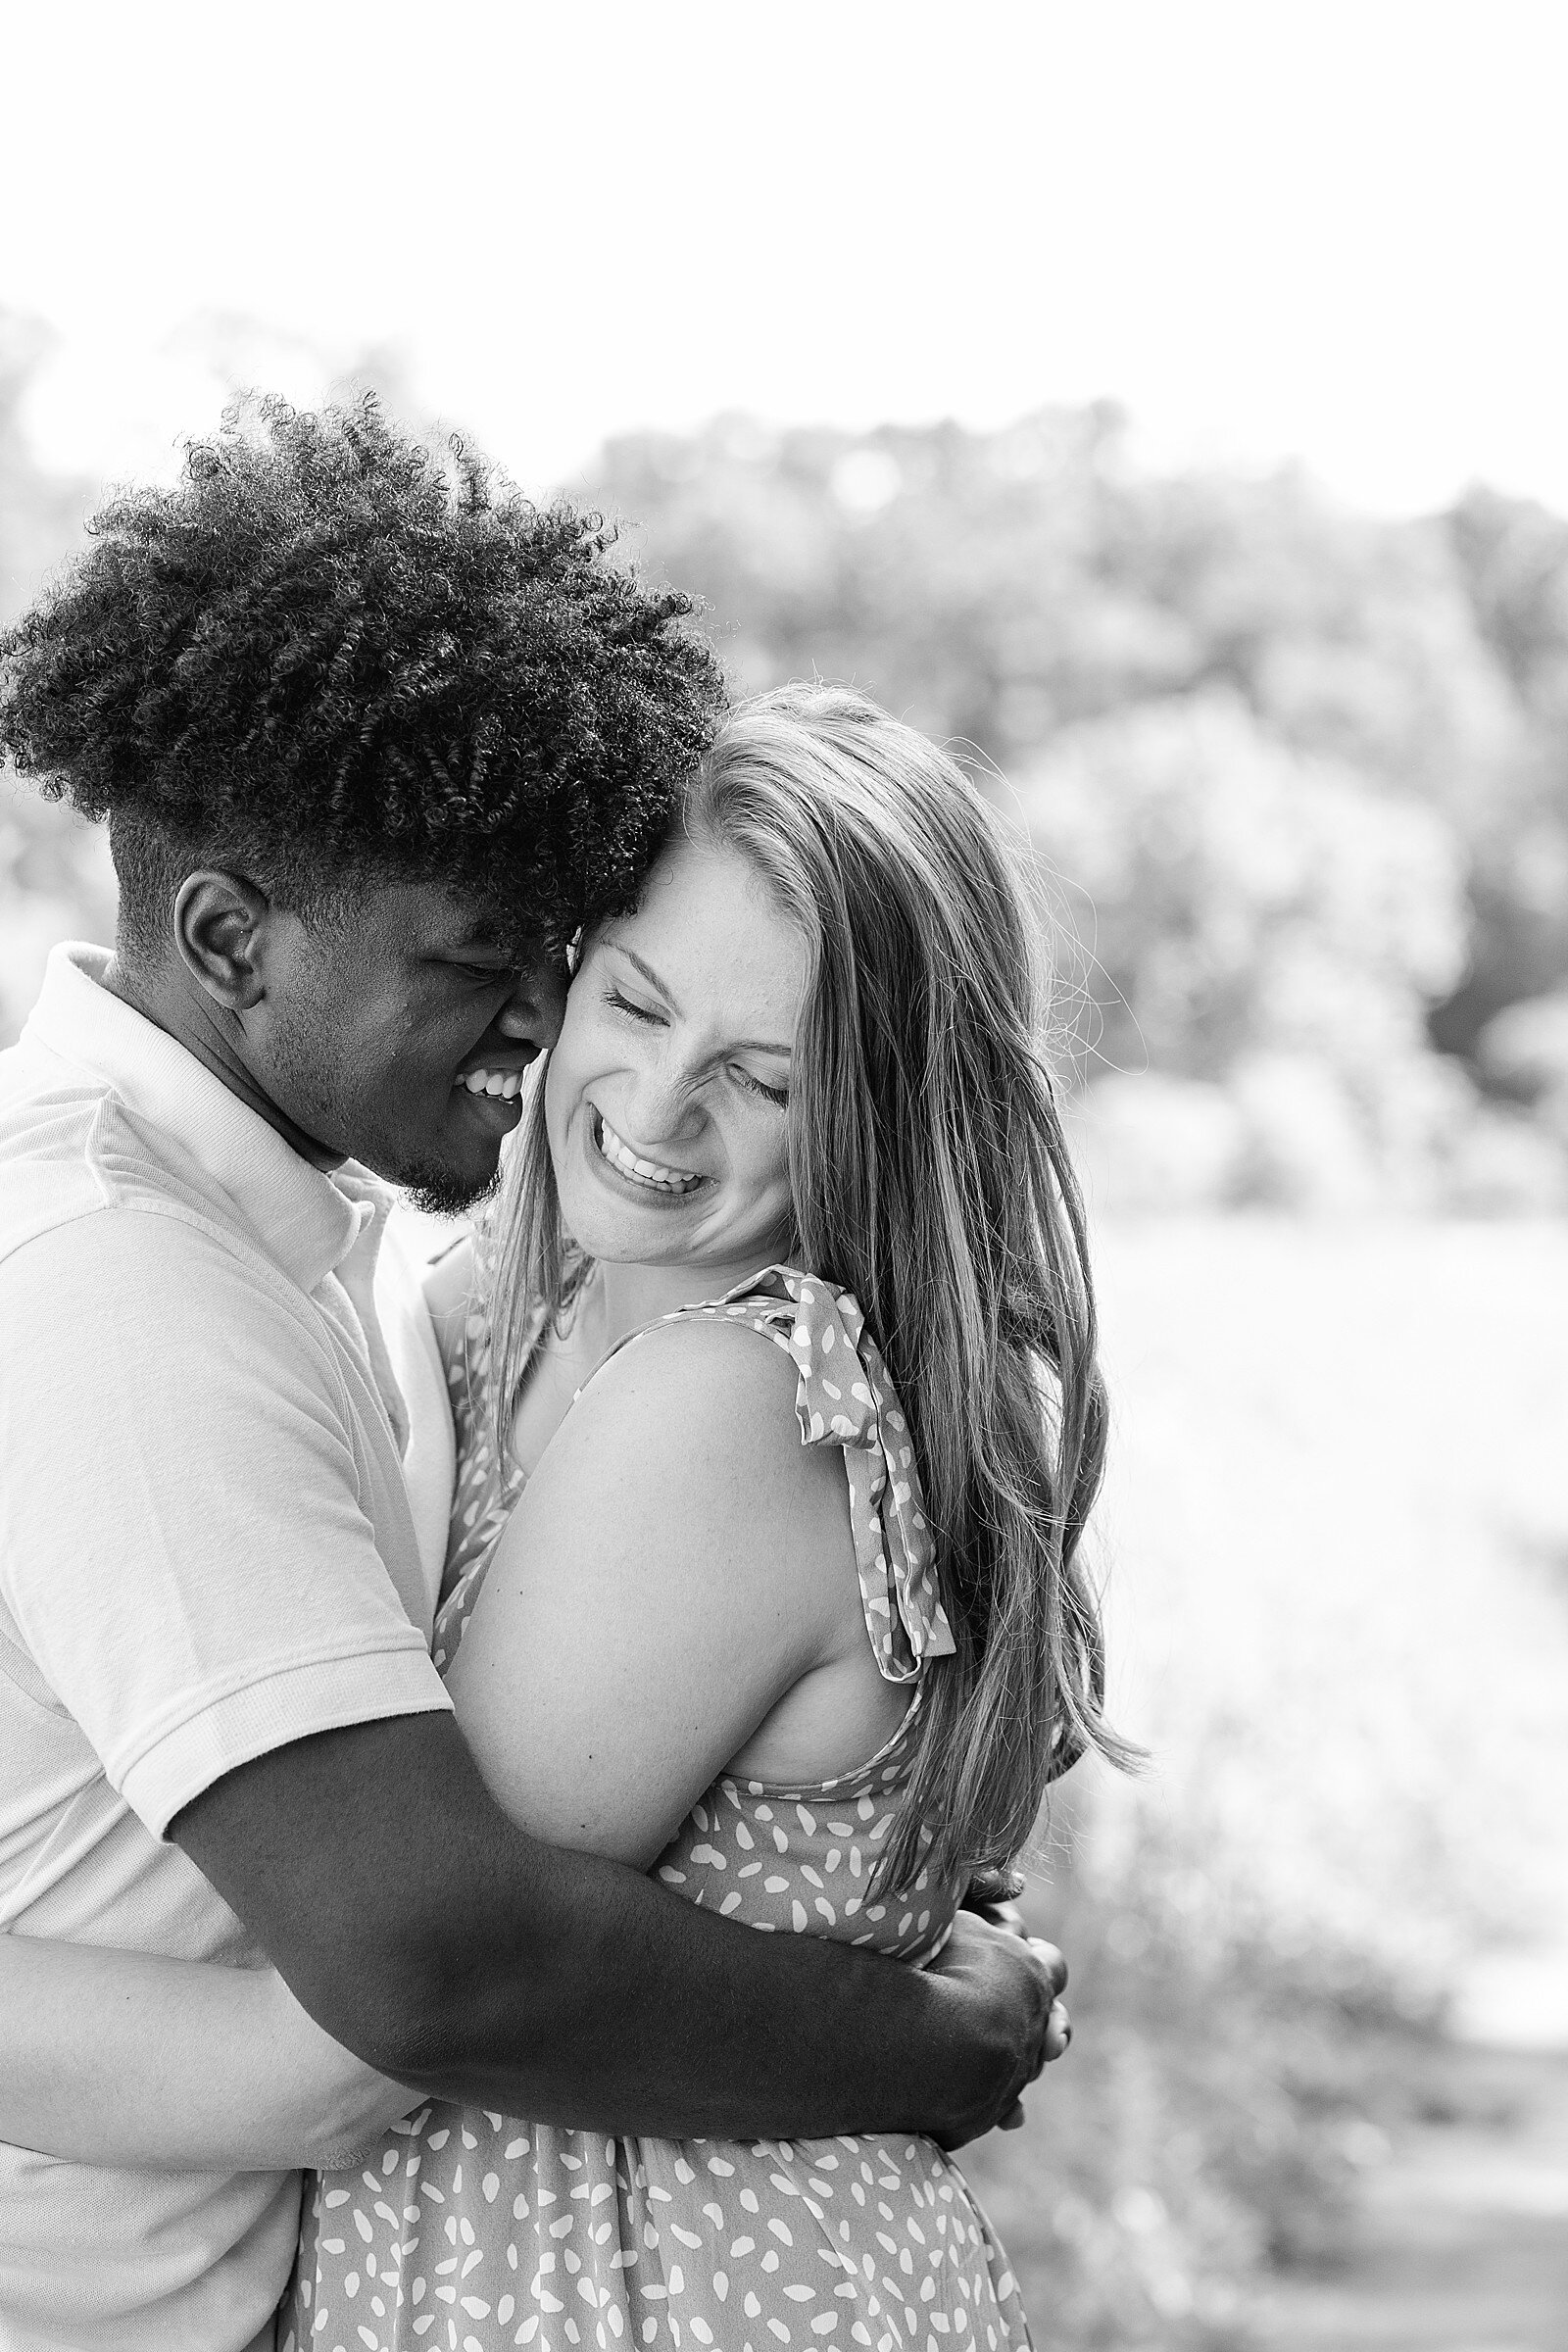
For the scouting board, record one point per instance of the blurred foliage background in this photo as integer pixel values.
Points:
(1303, 775)
(1297, 779)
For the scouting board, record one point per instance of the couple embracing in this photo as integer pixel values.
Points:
(494, 1754)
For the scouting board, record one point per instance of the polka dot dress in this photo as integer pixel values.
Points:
(468, 2230)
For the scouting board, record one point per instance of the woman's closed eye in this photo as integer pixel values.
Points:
(652, 1019)
(639, 1012)
(778, 1095)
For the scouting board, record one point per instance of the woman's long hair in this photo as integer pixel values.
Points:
(930, 1176)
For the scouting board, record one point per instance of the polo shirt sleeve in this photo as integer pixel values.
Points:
(182, 1545)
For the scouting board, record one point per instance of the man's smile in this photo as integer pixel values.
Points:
(507, 1084)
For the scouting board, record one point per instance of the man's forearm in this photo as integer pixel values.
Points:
(640, 2013)
(420, 1927)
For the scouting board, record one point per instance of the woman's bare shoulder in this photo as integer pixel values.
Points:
(702, 1411)
(707, 1367)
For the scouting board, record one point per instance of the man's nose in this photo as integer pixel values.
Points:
(532, 1013)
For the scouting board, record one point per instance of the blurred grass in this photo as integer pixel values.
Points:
(1334, 1535)
(1203, 2129)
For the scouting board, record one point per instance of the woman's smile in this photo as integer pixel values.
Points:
(650, 1176)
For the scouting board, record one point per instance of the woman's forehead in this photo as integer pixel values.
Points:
(706, 925)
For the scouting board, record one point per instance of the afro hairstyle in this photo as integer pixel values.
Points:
(333, 657)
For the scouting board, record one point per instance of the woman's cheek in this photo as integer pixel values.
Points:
(773, 1186)
(560, 1089)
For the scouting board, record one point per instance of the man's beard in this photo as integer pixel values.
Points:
(438, 1193)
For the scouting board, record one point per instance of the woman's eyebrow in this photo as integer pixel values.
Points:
(741, 1044)
(648, 972)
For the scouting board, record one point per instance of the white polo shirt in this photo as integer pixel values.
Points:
(225, 1463)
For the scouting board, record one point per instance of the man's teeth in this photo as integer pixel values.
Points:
(507, 1084)
(643, 1171)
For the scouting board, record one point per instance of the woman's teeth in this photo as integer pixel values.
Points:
(625, 1161)
(507, 1084)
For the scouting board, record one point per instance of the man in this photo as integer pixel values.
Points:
(372, 742)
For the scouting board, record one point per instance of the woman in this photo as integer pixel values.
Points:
(801, 1624)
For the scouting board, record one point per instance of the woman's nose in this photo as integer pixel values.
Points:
(663, 1105)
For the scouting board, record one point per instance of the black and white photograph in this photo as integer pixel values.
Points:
(891, 681)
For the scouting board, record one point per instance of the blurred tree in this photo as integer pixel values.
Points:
(1386, 684)
(1248, 896)
(1356, 683)
(1514, 560)
(40, 513)
(1266, 926)
(952, 575)
(1513, 557)
(55, 877)
(996, 587)
(1348, 637)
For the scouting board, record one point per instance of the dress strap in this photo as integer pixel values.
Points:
(844, 1397)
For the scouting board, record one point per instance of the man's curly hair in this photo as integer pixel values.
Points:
(332, 656)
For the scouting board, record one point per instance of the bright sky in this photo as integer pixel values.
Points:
(1330, 230)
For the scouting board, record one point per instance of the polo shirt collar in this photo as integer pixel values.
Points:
(308, 1222)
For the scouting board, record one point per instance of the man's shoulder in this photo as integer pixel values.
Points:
(71, 1151)
(95, 1209)
(51, 1122)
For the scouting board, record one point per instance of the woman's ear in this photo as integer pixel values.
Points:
(219, 927)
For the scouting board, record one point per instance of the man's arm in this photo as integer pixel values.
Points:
(650, 1602)
(425, 1932)
(610, 1669)
(231, 1646)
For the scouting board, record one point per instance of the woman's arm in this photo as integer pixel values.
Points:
(677, 1566)
(123, 2058)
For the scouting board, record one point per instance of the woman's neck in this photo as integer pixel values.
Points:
(615, 1301)
(631, 1296)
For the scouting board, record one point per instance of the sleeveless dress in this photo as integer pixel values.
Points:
(467, 2230)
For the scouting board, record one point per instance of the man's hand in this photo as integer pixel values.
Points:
(992, 1897)
(1013, 1984)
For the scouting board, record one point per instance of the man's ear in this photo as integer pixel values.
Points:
(220, 928)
